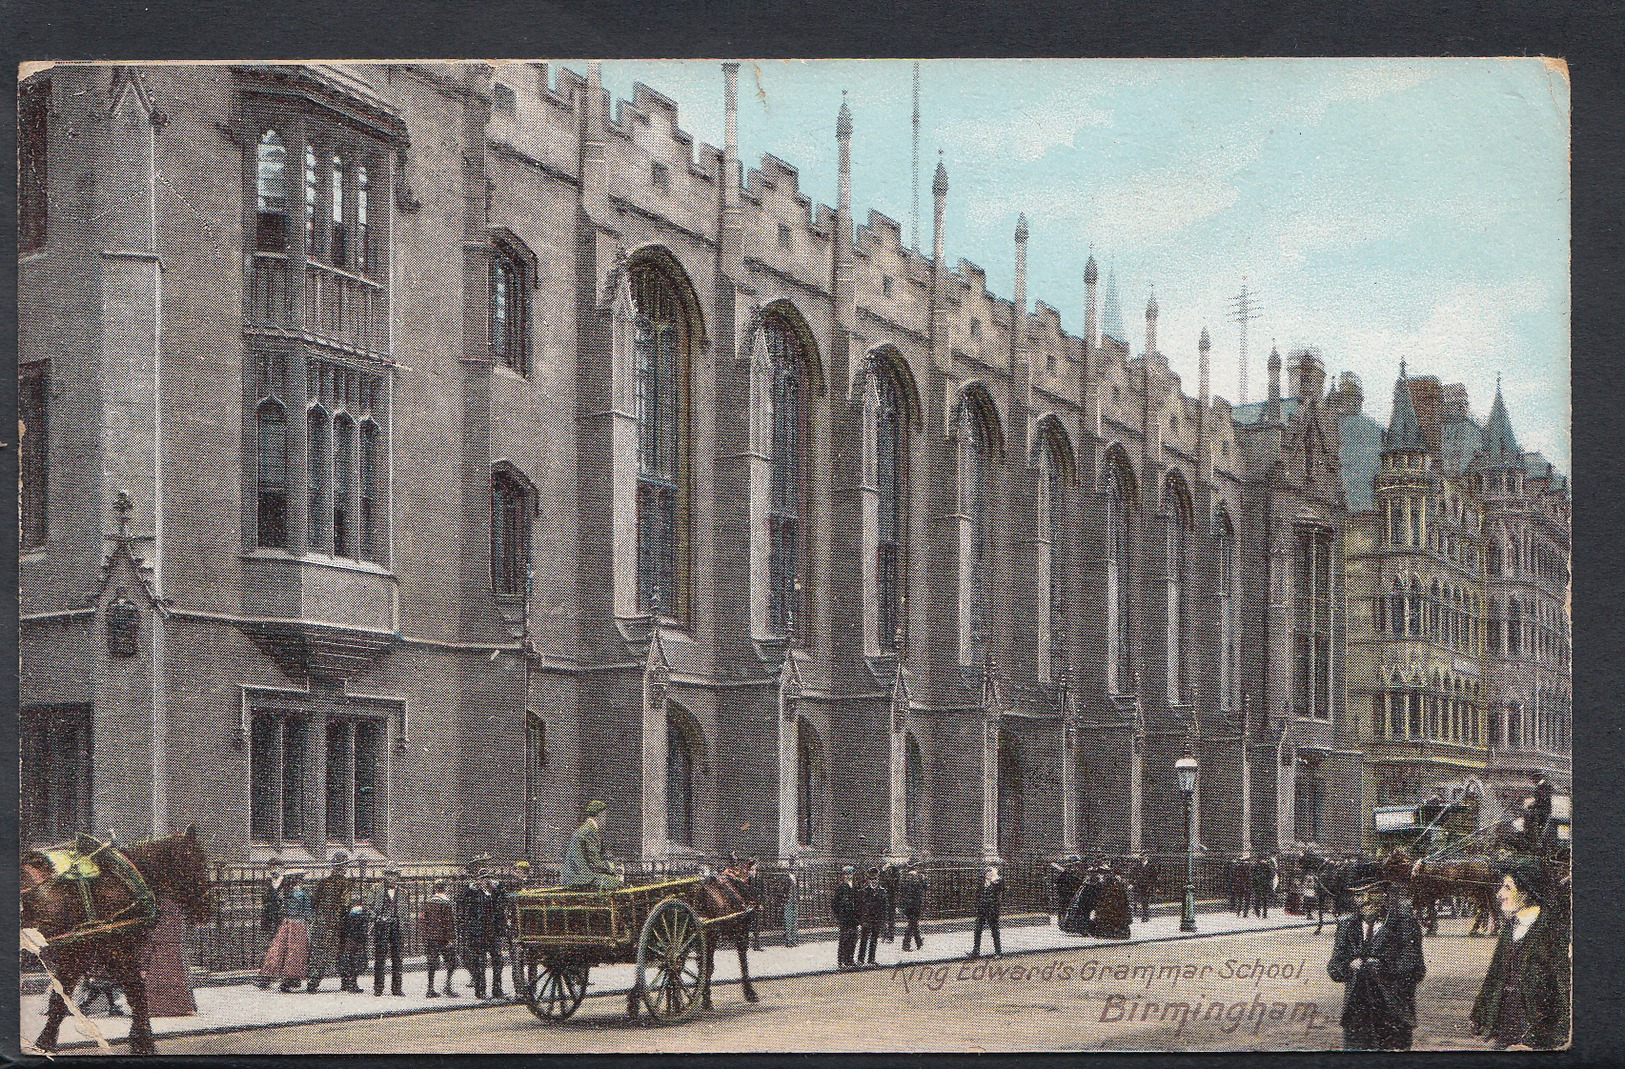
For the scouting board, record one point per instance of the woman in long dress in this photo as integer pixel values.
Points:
(163, 963)
(291, 944)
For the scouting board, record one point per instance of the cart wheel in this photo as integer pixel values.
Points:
(555, 989)
(671, 961)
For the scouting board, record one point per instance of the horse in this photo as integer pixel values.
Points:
(58, 906)
(1473, 878)
(1329, 880)
(727, 908)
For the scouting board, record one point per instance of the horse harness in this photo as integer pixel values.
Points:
(80, 865)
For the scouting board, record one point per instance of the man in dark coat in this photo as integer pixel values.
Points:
(1144, 875)
(1524, 1002)
(890, 878)
(1377, 957)
(1241, 884)
(844, 907)
(756, 890)
(271, 898)
(353, 945)
(1263, 885)
(487, 929)
(388, 911)
(329, 904)
(911, 901)
(872, 910)
(989, 892)
(1537, 814)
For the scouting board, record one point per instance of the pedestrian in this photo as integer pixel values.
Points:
(890, 879)
(1241, 884)
(792, 898)
(1537, 813)
(1263, 885)
(487, 931)
(520, 880)
(330, 902)
(989, 891)
(287, 958)
(911, 902)
(756, 890)
(353, 944)
(388, 910)
(844, 908)
(437, 924)
(271, 897)
(873, 906)
(1145, 876)
(462, 898)
(1524, 1001)
(1377, 957)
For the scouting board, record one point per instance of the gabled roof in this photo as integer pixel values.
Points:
(1404, 430)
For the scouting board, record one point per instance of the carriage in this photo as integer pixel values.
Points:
(562, 933)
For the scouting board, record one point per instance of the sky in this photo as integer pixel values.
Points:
(1377, 209)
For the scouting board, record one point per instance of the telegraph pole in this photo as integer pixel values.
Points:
(1244, 308)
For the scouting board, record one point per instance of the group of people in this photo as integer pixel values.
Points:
(332, 925)
(1523, 1003)
(866, 915)
(1252, 885)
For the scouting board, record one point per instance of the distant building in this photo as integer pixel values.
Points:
(1459, 634)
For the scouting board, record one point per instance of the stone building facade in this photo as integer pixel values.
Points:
(424, 450)
(1458, 586)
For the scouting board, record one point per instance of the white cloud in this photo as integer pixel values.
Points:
(1028, 134)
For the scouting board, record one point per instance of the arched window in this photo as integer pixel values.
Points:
(509, 320)
(1312, 622)
(338, 251)
(1514, 628)
(679, 781)
(317, 430)
(1011, 798)
(368, 498)
(787, 493)
(363, 239)
(973, 436)
(271, 193)
(1176, 552)
(510, 534)
(809, 783)
(311, 249)
(273, 475)
(913, 793)
(1396, 610)
(1434, 609)
(1224, 540)
(1117, 484)
(1055, 470)
(343, 460)
(661, 351)
(1413, 610)
(891, 486)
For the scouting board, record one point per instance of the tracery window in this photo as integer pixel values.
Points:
(1312, 623)
(510, 534)
(1224, 537)
(1176, 551)
(661, 352)
(787, 493)
(974, 450)
(509, 316)
(891, 485)
(1119, 506)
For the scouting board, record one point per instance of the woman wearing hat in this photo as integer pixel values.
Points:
(1524, 1002)
(1377, 957)
(290, 945)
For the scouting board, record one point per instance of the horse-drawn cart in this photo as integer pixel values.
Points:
(564, 933)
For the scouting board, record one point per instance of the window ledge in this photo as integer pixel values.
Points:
(358, 566)
(32, 555)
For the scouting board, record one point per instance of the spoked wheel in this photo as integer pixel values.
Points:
(555, 989)
(671, 961)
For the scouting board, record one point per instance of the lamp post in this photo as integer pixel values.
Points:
(1186, 768)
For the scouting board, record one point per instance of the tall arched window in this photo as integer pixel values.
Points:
(311, 249)
(1176, 552)
(1514, 628)
(891, 485)
(510, 534)
(1413, 609)
(679, 781)
(363, 239)
(661, 406)
(809, 783)
(338, 251)
(1312, 622)
(913, 793)
(1396, 609)
(1054, 478)
(317, 430)
(271, 193)
(973, 437)
(1118, 486)
(343, 460)
(368, 497)
(509, 320)
(787, 494)
(273, 475)
(1224, 541)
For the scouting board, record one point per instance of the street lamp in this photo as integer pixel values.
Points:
(1186, 768)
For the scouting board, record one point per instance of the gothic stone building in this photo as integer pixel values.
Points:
(1458, 589)
(415, 452)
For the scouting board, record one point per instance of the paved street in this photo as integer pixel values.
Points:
(1264, 990)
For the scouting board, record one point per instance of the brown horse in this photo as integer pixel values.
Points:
(1473, 878)
(83, 938)
(725, 906)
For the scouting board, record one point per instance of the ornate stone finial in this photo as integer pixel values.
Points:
(123, 504)
(1021, 228)
(1204, 343)
(843, 119)
(654, 606)
(1151, 305)
(939, 184)
(1402, 368)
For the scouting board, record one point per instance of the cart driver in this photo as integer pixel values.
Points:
(584, 865)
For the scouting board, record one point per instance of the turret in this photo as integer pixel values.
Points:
(1151, 326)
(1091, 319)
(1404, 431)
(1272, 408)
(1018, 322)
(594, 166)
(730, 244)
(1203, 346)
(845, 294)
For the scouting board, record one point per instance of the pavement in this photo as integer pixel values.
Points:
(244, 1006)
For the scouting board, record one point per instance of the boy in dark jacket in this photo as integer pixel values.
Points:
(437, 923)
(989, 892)
(353, 944)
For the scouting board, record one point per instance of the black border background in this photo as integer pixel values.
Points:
(1587, 34)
